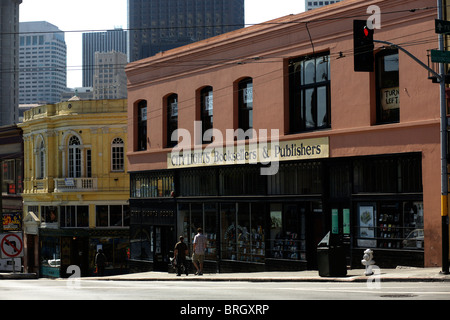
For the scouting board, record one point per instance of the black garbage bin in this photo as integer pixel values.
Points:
(331, 260)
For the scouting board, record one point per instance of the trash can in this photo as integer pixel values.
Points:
(331, 260)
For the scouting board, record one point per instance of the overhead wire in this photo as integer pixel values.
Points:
(233, 61)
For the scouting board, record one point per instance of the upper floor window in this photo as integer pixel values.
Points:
(117, 155)
(206, 107)
(245, 93)
(172, 119)
(74, 157)
(142, 126)
(309, 93)
(40, 163)
(387, 78)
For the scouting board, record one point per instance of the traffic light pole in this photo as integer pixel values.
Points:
(443, 129)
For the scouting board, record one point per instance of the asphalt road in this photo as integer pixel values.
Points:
(48, 289)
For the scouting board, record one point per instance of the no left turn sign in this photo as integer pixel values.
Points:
(11, 245)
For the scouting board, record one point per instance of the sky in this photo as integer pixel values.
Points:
(76, 17)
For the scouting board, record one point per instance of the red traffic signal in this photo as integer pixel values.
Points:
(363, 46)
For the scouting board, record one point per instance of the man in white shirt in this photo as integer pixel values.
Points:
(199, 251)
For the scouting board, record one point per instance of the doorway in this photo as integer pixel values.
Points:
(164, 242)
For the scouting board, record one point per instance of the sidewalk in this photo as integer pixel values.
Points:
(354, 275)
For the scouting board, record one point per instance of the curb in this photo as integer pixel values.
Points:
(18, 276)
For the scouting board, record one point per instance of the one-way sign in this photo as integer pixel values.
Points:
(441, 26)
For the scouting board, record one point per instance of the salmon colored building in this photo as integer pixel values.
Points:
(356, 154)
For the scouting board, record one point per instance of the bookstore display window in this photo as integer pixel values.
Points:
(390, 225)
(287, 232)
(141, 242)
(199, 215)
(243, 232)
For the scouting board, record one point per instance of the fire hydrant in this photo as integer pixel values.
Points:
(368, 261)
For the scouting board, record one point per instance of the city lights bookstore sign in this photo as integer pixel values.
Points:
(264, 153)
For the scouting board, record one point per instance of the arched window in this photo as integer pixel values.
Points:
(245, 93)
(206, 107)
(74, 157)
(172, 119)
(40, 160)
(142, 125)
(117, 155)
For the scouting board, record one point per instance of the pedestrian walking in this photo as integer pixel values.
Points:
(180, 253)
(199, 251)
(100, 262)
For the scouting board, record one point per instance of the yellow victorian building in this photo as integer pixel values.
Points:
(76, 187)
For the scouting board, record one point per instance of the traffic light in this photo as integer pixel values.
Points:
(362, 46)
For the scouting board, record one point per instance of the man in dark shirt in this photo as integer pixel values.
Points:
(180, 253)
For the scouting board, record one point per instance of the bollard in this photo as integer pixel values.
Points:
(368, 261)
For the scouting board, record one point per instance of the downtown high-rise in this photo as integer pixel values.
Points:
(160, 25)
(9, 62)
(102, 42)
(43, 63)
(309, 5)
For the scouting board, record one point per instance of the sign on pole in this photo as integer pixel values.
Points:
(439, 56)
(11, 245)
(441, 26)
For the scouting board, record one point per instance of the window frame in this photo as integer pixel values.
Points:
(391, 115)
(172, 119)
(206, 110)
(74, 158)
(41, 160)
(125, 214)
(300, 85)
(117, 155)
(142, 125)
(245, 107)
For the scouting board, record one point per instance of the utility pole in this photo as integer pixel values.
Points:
(444, 174)
(1, 196)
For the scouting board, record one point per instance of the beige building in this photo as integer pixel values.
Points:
(110, 80)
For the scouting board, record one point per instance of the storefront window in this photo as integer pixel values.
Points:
(115, 250)
(287, 232)
(152, 185)
(141, 243)
(199, 215)
(390, 225)
(257, 232)
(50, 256)
(242, 228)
(210, 229)
(228, 229)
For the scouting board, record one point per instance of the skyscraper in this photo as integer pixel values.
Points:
(9, 62)
(309, 4)
(43, 63)
(160, 25)
(111, 40)
(110, 80)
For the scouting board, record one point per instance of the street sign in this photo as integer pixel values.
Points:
(441, 26)
(440, 56)
(11, 245)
